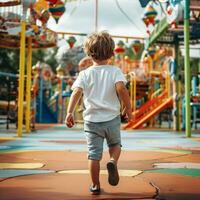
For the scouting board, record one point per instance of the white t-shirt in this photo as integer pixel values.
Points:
(99, 93)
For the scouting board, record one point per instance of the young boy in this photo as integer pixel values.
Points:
(103, 87)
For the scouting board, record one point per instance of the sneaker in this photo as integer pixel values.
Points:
(113, 175)
(95, 190)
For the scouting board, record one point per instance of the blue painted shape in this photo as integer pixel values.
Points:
(9, 173)
(45, 114)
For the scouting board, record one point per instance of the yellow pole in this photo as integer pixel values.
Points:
(21, 78)
(28, 86)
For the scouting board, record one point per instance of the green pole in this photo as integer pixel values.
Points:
(187, 68)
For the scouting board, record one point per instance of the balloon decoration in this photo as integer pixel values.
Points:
(150, 13)
(136, 46)
(57, 10)
(120, 48)
(71, 41)
(152, 52)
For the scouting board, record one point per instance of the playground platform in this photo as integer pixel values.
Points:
(51, 163)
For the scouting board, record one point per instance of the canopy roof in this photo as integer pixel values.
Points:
(163, 33)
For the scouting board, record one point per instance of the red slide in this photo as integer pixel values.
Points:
(149, 110)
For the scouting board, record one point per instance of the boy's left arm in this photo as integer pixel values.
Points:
(124, 97)
(76, 94)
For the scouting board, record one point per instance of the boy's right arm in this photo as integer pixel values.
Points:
(76, 94)
(124, 97)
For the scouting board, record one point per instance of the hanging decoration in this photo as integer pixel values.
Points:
(150, 13)
(120, 48)
(57, 10)
(71, 41)
(136, 46)
(152, 52)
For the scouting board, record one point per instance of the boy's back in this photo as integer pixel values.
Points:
(101, 86)
(100, 97)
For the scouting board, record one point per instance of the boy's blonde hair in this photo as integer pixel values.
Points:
(99, 46)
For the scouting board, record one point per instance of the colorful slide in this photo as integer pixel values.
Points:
(149, 110)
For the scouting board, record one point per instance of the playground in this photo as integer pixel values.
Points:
(41, 158)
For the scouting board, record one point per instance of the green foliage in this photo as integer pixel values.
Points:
(9, 60)
(47, 56)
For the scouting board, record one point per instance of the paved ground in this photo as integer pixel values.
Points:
(52, 164)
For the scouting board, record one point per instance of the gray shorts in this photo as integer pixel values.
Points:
(96, 132)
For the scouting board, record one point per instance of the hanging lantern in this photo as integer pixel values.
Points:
(52, 2)
(71, 41)
(150, 13)
(57, 10)
(152, 52)
(120, 43)
(136, 46)
(120, 48)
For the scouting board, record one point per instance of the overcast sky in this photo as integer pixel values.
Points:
(80, 17)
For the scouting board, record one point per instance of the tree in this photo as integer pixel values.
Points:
(9, 60)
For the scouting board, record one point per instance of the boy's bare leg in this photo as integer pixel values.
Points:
(94, 168)
(115, 152)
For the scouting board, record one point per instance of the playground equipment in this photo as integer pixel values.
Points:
(195, 103)
(50, 93)
(175, 29)
(19, 27)
(8, 94)
(154, 95)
